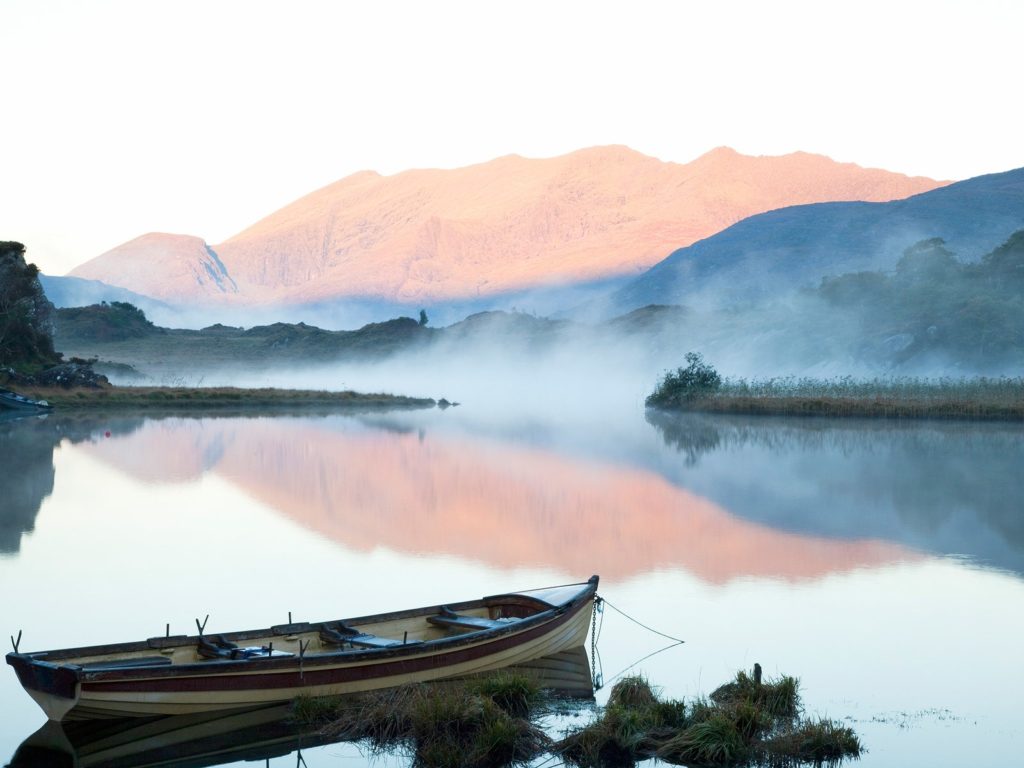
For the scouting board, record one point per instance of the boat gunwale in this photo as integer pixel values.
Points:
(47, 659)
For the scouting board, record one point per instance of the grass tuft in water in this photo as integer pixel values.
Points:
(713, 742)
(777, 699)
(821, 742)
(633, 692)
(746, 722)
(463, 723)
(493, 721)
(515, 693)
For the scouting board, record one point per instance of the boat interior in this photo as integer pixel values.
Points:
(395, 631)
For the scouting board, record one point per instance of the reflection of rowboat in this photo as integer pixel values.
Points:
(216, 738)
(182, 675)
(13, 401)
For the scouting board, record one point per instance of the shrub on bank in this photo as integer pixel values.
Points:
(697, 379)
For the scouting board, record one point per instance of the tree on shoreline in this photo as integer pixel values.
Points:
(26, 315)
(697, 379)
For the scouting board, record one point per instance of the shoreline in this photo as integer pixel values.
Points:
(114, 397)
(840, 407)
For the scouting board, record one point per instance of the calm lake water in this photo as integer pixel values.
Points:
(881, 564)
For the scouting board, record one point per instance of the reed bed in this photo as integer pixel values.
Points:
(979, 398)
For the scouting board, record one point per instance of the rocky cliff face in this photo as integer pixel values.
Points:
(508, 224)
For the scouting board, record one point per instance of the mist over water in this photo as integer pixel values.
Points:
(513, 366)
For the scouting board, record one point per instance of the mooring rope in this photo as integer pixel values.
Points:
(676, 640)
(595, 634)
(623, 671)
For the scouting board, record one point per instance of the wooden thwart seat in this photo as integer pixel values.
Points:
(449, 618)
(216, 647)
(342, 635)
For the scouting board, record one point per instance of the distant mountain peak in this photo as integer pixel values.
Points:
(723, 151)
(162, 265)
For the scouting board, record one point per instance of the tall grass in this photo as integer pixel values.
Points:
(896, 397)
(977, 389)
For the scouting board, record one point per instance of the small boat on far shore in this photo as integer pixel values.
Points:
(13, 401)
(175, 675)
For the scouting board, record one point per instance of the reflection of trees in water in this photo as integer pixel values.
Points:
(954, 481)
(697, 434)
(690, 435)
(27, 476)
(27, 448)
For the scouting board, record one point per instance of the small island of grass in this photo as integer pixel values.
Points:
(699, 387)
(194, 398)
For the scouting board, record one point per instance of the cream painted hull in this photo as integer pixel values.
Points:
(96, 704)
(130, 680)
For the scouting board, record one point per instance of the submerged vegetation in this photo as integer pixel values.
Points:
(898, 397)
(496, 721)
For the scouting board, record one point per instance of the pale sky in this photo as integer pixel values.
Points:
(121, 118)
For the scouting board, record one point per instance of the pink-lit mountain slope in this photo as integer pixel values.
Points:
(177, 267)
(508, 224)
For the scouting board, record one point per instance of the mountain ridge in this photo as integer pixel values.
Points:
(513, 223)
(775, 252)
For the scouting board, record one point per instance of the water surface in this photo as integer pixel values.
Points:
(882, 564)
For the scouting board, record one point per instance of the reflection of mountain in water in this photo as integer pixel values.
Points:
(953, 488)
(506, 505)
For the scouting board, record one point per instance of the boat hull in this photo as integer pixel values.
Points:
(65, 693)
(218, 738)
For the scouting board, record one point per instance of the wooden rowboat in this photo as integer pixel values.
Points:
(217, 738)
(207, 673)
(14, 402)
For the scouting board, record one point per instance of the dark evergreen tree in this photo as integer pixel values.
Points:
(26, 315)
